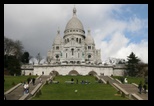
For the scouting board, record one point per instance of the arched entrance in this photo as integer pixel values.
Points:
(55, 73)
(92, 73)
(73, 72)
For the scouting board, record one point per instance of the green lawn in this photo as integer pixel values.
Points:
(9, 80)
(92, 91)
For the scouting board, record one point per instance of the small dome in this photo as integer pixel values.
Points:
(89, 39)
(58, 38)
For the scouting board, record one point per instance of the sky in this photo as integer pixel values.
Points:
(117, 29)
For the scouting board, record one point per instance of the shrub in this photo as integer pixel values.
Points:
(123, 95)
(38, 93)
(99, 81)
(118, 92)
(13, 83)
(107, 82)
(121, 79)
(96, 78)
(46, 83)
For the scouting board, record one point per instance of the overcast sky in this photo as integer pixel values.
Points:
(117, 29)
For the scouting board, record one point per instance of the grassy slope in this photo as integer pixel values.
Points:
(16, 79)
(92, 91)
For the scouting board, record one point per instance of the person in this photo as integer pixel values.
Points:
(76, 81)
(4, 97)
(72, 79)
(126, 80)
(40, 80)
(140, 87)
(33, 80)
(42, 72)
(28, 80)
(145, 88)
(26, 88)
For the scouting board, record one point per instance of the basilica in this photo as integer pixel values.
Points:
(74, 53)
(75, 46)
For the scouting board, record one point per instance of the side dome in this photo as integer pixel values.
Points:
(58, 38)
(89, 39)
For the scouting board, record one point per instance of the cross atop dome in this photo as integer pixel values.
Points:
(58, 31)
(88, 31)
(74, 11)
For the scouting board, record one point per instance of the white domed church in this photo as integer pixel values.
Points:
(75, 47)
(74, 53)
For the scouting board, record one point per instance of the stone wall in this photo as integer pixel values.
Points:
(27, 72)
(80, 69)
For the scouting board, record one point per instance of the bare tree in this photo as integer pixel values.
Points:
(19, 49)
(8, 46)
(12, 47)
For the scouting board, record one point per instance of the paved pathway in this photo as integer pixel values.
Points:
(18, 92)
(130, 88)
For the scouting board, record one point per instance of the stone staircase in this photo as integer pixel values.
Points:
(18, 92)
(130, 88)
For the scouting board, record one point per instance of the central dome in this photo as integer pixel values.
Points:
(74, 23)
(74, 26)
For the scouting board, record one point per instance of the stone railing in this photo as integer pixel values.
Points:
(118, 81)
(24, 97)
(100, 79)
(121, 89)
(13, 88)
(136, 97)
(27, 67)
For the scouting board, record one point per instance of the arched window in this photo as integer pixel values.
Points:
(76, 39)
(66, 55)
(72, 51)
(67, 40)
(78, 55)
(57, 47)
(89, 47)
(80, 40)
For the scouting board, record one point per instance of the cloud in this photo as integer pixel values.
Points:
(36, 26)
(115, 35)
(139, 49)
(136, 24)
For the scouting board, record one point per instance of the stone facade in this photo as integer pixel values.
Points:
(74, 46)
(73, 54)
